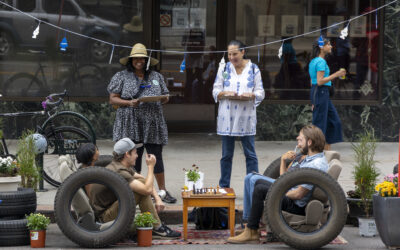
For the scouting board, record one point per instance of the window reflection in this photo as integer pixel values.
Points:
(287, 78)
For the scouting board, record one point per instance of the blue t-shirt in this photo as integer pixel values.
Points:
(318, 64)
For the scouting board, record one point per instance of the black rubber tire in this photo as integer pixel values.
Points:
(337, 217)
(103, 160)
(24, 85)
(272, 170)
(7, 46)
(79, 235)
(18, 203)
(51, 173)
(14, 233)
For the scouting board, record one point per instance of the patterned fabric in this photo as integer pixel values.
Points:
(238, 118)
(317, 161)
(146, 122)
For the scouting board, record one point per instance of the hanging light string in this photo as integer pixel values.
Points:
(206, 52)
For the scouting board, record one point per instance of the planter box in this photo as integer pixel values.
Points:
(9, 183)
(386, 210)
(356, 209)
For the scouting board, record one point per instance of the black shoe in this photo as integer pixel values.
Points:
(168, 198)
(164, 232)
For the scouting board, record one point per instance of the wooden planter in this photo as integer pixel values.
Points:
(144, 236)
(9, 183)
(38, 238)
(386, 210)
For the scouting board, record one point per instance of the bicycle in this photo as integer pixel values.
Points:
(61, 138)
(79, 78)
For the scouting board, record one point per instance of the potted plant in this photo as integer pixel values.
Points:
(26, 157)
(365, 176)
(9, 178)
(386, 206)
(37, 224)
(144, 224)
(193, 178)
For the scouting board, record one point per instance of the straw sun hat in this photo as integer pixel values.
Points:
(138, 50)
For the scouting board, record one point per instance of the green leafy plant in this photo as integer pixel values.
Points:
(26, 159)
(8, 167)
(144, 220)
(193, 174)
(37, 221)
(365, 173)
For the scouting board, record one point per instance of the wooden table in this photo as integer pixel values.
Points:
(210, 201)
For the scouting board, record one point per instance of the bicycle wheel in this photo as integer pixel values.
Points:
(62, 140)
(70, 119)
(23, 85)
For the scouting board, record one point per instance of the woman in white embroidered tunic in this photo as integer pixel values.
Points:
(239, 90)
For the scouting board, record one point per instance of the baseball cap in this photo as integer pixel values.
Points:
(124, 145)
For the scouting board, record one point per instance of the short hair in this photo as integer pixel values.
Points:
(316, 136)
(241, 46)
(120, 157)
(84, 154)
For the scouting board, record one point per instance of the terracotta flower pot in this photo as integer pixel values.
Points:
(144, 236)
(38, 238)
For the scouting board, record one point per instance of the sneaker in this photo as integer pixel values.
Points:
(168, 198)
(164, 232)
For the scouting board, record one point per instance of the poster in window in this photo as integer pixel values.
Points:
(358, 27)
(289, 25)
(334, 31)
(266, 25)
(198, 18)
(180, 18)
(312, 23)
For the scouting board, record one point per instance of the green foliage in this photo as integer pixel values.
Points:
(37, 221)
(26, 160)
(365, 173)
(193, 174)
(144, 220)
(8, 167)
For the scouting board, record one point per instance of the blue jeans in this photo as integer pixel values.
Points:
(228, 147)
(249, 182)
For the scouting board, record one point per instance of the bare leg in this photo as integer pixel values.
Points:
(160, 178)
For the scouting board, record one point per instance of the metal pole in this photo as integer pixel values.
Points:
(39, 164)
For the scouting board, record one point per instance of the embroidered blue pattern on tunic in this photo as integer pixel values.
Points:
(251, 84)
(228, 75)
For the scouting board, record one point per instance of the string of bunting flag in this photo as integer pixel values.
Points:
(64, 42)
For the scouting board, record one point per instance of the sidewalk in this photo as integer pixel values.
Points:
(204, 150)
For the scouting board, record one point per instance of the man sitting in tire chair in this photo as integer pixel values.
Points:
(104, 201)
(311, 141)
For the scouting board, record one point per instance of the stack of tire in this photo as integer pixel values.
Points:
(13, 208)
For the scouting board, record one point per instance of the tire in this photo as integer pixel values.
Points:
(103, 160)
(272, 170)
(336, 219)
(7, 47)
(71, 139)
(14, 233)
(23, 85)
(17, 203)
(70, 119)
(84, 237)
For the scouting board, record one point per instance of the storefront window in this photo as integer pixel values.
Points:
(287, 78)
(188, 25)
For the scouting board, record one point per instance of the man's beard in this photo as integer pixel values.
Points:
(304, 150)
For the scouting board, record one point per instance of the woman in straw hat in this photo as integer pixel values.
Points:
(141, 122)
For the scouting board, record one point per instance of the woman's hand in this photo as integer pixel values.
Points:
(159, 204)
(248, 95)
(134, 102)
(164, 100)
(340, 72)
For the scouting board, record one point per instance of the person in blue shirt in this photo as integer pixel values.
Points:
(325, 115)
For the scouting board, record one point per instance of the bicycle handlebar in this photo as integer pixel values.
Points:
(50, 100)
